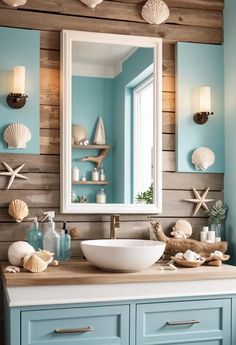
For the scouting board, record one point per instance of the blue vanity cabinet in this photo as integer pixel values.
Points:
(102, 325)
(190, 322)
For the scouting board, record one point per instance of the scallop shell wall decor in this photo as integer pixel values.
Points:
(34, 263)
(100, 137)
(182, 226)
(15, 3)
(203, 158)
(79, 133)
(17, 251)
(155, 11)
(18, 209)
(91, 3)
(17, 135)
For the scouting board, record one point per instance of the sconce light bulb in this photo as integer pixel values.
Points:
(205, 99)
(19, 80)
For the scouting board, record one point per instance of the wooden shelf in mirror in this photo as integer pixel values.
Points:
(91, 182)
(91, 147)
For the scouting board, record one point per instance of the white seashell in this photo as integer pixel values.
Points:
(12, 269)
(178, 234)
(217, 255)
(189, 255)
(15, 3)
(91, 3)
(78, 133)
(18, 209)
(183, 226)
(34, 263)
(17, 135)
(17, 251)
(203, 158)
(55, 263)
(45, 255)
(179, 255)
(155, 11)
(99, 137)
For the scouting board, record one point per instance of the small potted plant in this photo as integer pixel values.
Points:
(217, 215)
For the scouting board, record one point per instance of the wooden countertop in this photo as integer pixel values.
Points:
(81, 272)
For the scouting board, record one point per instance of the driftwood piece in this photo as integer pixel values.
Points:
(97, 159)
(176, 245)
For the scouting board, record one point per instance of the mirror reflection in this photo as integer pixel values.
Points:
(112, 123)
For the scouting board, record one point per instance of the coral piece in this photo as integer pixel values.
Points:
(203, 158)
(34, 263)
(79, 134)
(13, 174)
(17, 251)
(18, 209)
(155, 11)
(200, 200)
(174, 245)
(184, 227)
(17, 136)
(91, 3)
(45, 255)
(99, 137)
(97, 160)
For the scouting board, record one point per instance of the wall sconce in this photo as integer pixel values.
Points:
(205, 106)
(17, 98)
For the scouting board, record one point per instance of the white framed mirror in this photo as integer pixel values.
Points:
(111, 123)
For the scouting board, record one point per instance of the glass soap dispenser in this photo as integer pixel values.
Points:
(51, 239)
(35, 237)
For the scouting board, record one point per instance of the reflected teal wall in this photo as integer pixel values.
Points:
(20, 48)
(230, 122)
(91, 98)
(135, 69)
(199, 65)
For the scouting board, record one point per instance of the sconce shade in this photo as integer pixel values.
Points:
(19, 80)
(205, 99)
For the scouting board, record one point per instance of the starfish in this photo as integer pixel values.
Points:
(13, 173)
(200, 200)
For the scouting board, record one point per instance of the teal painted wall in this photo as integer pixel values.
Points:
(199, 65)
(91, 98)
(135, 69)
(20, 48)
(230, 122)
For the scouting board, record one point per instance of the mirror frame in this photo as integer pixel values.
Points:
(67, 37)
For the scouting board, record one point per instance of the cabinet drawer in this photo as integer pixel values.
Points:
(76, 326)
(184, 322)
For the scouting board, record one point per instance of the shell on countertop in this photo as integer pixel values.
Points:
(18, 209)
(203, 158)
(178, 234)
(34, 263)
(91, 3)
(17, 136)
(79, 133)
(45, 255)
(182, 226)
(155, 11)
(17, 251)
(15, 3)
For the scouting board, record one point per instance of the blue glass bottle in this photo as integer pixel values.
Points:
(35, 236)
(65, 244)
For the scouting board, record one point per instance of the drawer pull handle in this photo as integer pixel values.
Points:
(74, 330)
(180, 323)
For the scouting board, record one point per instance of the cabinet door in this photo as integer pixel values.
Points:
(190, 322)
(76, 326)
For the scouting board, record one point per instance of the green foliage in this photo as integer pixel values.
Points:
(145, 197)
(218, 213)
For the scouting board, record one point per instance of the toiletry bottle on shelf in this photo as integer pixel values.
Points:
(101, 197)
(51, 239)
(95, 175)
(65, 244)
(35, 237)
(75, 174)
(83, 177)
(204, 233)
(211, 237)
(102, 176)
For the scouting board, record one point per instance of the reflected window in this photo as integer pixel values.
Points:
(143, 142)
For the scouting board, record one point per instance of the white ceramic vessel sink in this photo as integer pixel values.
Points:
(122, 255)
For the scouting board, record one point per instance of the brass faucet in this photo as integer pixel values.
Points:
(114, 224)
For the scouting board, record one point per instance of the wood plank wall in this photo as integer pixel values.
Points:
(191, 21)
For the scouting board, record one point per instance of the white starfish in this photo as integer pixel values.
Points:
(13, 173)
(200, 200)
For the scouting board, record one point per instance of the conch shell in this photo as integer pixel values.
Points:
(18, 210)
(34, 263)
